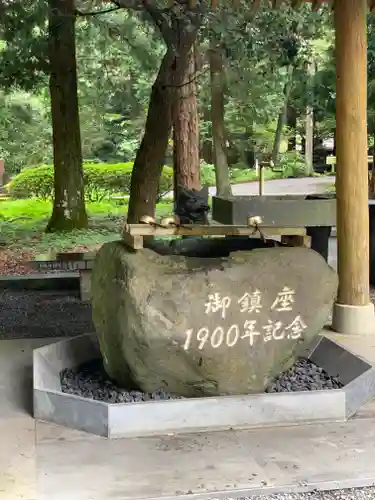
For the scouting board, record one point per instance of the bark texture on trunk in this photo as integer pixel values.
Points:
(282, 117)
(69, 203)
(223, 187)
(186, 125)
(309, 154)
(150, 156)
(292, 125)
(278, 135)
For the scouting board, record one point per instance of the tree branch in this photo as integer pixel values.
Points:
(129, 4)
(79, 13)
(162, 22)
(194, 79)
(163, 17)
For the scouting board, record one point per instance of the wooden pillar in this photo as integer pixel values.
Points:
(351, 153)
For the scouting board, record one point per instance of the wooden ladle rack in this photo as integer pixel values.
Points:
(134, 234)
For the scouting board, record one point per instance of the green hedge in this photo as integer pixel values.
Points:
(102, 180)
(32, 182)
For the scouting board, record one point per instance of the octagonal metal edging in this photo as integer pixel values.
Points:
(186, 415)
(356, 373)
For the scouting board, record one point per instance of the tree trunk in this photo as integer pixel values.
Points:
(309, 145)
(278, 135)
(249, 153)
(217, 119)
(69, 203)
(186, 125)
(309, 168)
(150, 156)
(206, 152)
(292, 125)
(282, 117)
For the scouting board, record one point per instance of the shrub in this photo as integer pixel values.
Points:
(32, 182)
(208, 175)
(101, 180)
(293, 164)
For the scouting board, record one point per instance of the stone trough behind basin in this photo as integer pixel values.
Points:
(196, 415)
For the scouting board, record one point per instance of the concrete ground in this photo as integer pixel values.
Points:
(304, 185)
(40, 461)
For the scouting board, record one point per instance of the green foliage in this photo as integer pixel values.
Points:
(257, 49)
(22, 224)
(32, 182)
(292, 163)
(207, 174)
(25, 131)
(118, 58)
(24, 56)
(101, 181)
(118, 55)
(242, 173)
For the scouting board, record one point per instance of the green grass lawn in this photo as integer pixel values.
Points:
(23, 222)
(22, 225)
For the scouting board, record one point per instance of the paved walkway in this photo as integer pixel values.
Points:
(40, 461)
(305, 185)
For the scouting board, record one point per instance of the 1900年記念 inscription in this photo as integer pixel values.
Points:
(210, 327)
(247, 327)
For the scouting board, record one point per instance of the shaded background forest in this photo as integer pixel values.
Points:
(246, 85)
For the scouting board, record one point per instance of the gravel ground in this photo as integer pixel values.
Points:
(304, 376)
(31, 314)
(350, 494)
(90, 381)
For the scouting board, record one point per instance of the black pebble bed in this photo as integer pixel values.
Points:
(304, 375)
(91, 381)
